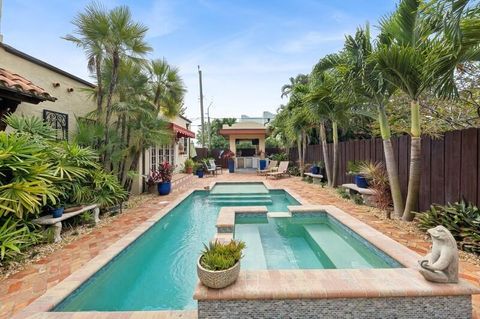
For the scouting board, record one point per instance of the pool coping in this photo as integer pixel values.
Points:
(330, 283)
(40, 307)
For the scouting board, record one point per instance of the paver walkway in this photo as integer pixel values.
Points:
(22, 288)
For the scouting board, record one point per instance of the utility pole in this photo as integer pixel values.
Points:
(209, 128)
(201, 105)
(1, 35)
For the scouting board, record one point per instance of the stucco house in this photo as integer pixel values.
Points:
(30, 86)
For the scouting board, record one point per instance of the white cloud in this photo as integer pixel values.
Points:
(311, 40)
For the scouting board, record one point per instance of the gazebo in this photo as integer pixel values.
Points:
(246, 131)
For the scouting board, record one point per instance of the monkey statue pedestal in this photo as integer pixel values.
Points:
(441, 264)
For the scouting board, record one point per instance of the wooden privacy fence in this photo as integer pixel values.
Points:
(215, 153)
(450, 164)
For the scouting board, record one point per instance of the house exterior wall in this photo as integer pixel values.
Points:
(145, 162)
(74, 104)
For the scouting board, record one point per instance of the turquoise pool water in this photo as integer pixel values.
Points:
(305, 241)
(158, 270)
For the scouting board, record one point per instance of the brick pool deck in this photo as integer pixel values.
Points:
(22, 288)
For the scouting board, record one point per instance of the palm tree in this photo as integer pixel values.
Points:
(371, 90)
(167, 86)
(288, 88)
(413, 61)
(109, 37)
(92, 30)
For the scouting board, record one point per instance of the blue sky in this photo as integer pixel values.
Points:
(247, 49)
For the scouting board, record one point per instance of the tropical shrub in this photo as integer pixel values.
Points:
(462, 219)
(38, 171)
(15, 236)
(377, 177)
(218, 256)
(279, 157)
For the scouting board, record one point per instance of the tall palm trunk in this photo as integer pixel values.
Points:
(304, 150)
(335, 153)
(326, 160)
(300, 153)
(108, 107)
(391, 163)
(415, 163)
(98, 71)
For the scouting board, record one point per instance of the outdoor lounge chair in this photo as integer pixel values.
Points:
(209, 168)
(272, 167)
(213, 165)
(282, 170)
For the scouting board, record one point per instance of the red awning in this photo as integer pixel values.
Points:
(181, 132)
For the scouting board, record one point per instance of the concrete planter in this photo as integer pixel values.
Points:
(218, 279)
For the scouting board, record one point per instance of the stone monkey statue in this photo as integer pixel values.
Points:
(441, 264)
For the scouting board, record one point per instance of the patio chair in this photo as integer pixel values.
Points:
(282, 170)
(213, 165)
(210, 169)
(272, 167)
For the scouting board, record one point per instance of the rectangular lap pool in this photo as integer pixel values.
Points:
(305, 241)
(158, 270)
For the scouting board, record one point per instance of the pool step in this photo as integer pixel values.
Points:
(279, 214)
(244, 201)
(235, 196)
(254, 257)
(336, 248)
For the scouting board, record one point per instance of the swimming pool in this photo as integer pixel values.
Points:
(305, 241)
(158, 270)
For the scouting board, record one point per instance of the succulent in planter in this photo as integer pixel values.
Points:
(219, 264)
(162, 177)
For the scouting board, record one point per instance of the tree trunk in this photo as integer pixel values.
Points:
(390, 163)
(326, 160)
(304, 151)
(335, 154)
(299, 148)
(98, 70)
(415, 163)
(108, 107)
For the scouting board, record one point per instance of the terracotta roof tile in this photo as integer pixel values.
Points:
(16, 82)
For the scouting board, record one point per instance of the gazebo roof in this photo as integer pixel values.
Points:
(244, 128)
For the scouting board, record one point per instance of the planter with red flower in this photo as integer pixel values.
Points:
(229, 155)
(162, 177)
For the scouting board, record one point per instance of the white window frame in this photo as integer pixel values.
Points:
(160, 153)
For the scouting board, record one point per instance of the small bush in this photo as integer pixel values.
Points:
(357, 199)
(461, 219)
(15, 236)
(343, 193)
(218, 256)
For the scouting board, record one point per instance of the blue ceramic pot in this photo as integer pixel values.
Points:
(164, 188)
(231, 166)
(315, 170)
(57, 212)
(263, 164)
(361, 181)
(200, 173)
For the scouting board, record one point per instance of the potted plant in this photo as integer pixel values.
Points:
(199, 169)
(189, 166)
(58, 208)
(315, 168)
(229, 155)
(152, 181)
(165, 172)
(219, 264)
(354, 168)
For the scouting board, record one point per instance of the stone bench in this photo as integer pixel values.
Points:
(317, 178)
(366, 193)
(56, 223)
